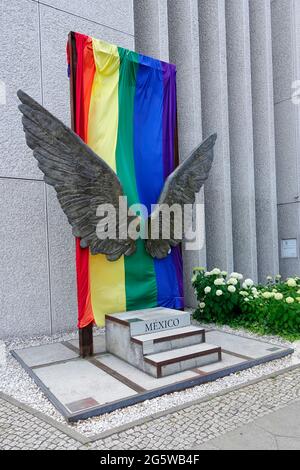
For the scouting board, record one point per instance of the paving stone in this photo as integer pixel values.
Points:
(21, 430)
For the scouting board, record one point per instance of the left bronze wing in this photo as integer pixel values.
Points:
(180, 188)
(83, 181)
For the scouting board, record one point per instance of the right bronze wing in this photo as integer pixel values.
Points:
(180, 188)
(81, 178)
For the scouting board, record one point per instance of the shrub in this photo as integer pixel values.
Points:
(273, 308)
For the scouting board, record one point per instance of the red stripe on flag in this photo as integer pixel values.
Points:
(85, 69)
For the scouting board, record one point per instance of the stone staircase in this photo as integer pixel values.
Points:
(159, 341)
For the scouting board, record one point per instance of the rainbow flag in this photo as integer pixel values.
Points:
(124, 108)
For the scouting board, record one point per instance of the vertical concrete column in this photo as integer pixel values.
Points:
(241, 137)
(286, 71)
(151, 28)
(214, 99)
(184, 52)
(263, 138)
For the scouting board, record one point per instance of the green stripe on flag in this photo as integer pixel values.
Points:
(140, 264)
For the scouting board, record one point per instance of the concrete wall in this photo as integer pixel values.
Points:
(37, 267)
(236, 62)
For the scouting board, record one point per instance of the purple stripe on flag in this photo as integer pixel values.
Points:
(169, 125)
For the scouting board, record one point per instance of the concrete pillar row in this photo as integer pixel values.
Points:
(241, 137)
(214, 98)
(285, 16)
(184, 52)
(223, 53)
(264, 138)
(151, 28)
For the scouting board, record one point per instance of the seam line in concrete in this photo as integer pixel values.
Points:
(116, 375)
(54, 363)
(45, 188)
(283, 100)
(96, 361)
(241, 356)
(288, 203)
(86, 19)
(40, 180)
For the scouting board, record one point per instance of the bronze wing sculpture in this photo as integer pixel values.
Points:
(180, 188)
(83, 181)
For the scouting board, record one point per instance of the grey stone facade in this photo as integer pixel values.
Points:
(237, 61)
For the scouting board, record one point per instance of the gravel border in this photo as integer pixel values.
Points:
(15, 382)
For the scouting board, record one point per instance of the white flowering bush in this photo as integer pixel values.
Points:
(217, 293)
(273, 308)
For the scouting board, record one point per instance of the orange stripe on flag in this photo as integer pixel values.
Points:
(85, 72)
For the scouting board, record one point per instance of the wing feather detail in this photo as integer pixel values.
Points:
(82, 179)
(180, 188)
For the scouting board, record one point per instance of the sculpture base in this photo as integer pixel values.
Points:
(159, 341)
(82, 388)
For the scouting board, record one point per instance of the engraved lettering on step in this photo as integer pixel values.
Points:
(161, 324)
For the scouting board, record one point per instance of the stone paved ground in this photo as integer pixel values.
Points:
(21, 430)
(279, 430)
(184, 429)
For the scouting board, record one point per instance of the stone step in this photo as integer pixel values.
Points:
(151, 320)
(170, 339)
(177, 360)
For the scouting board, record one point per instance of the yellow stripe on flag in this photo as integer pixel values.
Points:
(107, 278)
